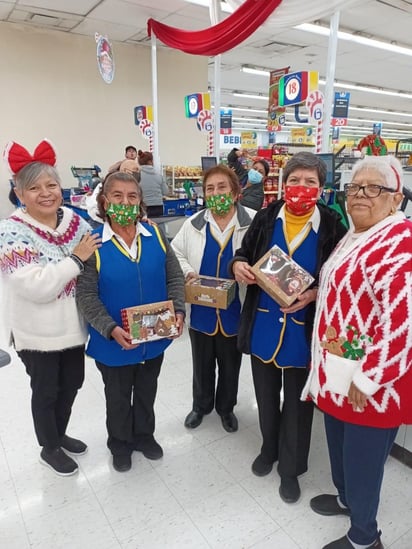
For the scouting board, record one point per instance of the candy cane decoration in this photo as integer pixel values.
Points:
(206, 125)
(146, 127)
(315, 103)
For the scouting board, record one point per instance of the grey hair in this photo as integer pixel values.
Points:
(28, 175)
(307, 161)
(388, 167)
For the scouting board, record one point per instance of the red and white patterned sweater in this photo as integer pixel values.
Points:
(363, 326)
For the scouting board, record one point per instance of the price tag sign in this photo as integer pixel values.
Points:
(339, 122)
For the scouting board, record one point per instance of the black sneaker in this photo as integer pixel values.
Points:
(260, 467)
(60, 462)
(73, 445)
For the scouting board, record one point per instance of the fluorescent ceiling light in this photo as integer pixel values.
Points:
(252, 70)
(250, 95)
(345, 85)
(324, 31)
(380, 111)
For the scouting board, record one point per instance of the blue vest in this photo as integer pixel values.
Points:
(215, 262)
(125, 282)
(278, 337)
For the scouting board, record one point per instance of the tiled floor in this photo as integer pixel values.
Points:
(201, 495)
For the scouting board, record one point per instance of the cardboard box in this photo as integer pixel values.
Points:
(211, 292)
(150, 322)
(281, 277)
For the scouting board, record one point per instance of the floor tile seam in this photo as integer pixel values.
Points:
(265, 536)
(260, 505)
(15, 493)
(101, 508)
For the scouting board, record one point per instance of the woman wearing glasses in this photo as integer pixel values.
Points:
(361, 373)
(43, 247)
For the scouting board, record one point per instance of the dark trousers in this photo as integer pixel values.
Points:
(286, 432)
(206, 351)
(130, 395)
(357, 456)
(55, 378)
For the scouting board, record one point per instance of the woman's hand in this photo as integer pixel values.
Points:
(191, 277)
(87, 246)
(301, 301)
(180, 321)
(123, 338)
(242, 272)
(357, 398)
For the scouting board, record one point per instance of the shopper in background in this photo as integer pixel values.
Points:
(134, 266)
(153, 185)
(235, 164)
(278, 338)
(361, 373)
(253, 192)
(205, 245)
(43, 247)
(130, 154)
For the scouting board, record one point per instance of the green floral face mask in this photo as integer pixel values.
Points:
(123, 215)
(220, 204)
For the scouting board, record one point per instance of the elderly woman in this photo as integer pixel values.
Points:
(361, 373)
(134, 266)
(277, 338)
(43, 247)
(205, 245)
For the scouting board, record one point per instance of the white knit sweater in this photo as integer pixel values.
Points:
(40, 281)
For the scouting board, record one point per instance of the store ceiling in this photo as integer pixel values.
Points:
(269, 47)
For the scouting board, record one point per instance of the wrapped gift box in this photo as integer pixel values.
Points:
(150, 322)
(211, 292)
(281, 277)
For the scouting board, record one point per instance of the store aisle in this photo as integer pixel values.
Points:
(202, 494)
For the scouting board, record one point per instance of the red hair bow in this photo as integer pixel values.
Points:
(17, 157)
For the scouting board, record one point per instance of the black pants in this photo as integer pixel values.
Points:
(130, 395)
(55, 378)
(286, 432)
(206, 351)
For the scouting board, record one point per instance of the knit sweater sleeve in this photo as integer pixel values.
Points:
(28, 275)
(89, 302)
(389, 356)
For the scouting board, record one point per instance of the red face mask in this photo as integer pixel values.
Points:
(300, 199)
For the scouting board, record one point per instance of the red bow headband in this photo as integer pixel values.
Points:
(17, 157)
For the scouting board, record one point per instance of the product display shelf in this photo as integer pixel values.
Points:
(272, 186)
(175, 176)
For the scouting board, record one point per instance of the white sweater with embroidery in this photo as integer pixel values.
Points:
(363, 327)
(39, 281)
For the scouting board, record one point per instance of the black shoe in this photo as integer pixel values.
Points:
(289, 489)
(344, 543)
(73, 445)
(122, 463)
(149, 448)
(260, 467)
(327, 505)
(193, 419)
(229, 422)
(60, 462)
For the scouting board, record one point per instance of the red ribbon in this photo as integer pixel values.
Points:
(17, 157)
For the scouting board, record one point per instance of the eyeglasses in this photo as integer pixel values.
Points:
(370, 191)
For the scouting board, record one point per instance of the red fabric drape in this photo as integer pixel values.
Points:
(220, 38)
